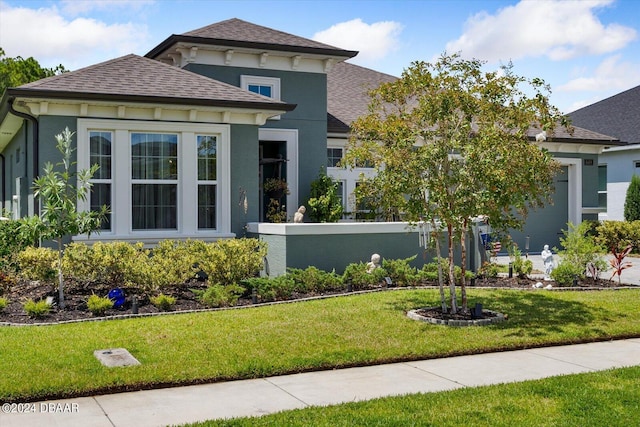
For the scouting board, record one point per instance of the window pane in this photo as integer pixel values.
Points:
(154, 156)
(260, 89)
(207, 155)
(101, 195)
(154, 206)
(206, 206)
(100, 153)
(334, 155)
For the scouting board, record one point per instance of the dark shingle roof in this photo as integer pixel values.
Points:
(134, 78)
(618, 115)
(238, 33)
(348, 87)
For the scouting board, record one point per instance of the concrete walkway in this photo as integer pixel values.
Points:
(265, 396)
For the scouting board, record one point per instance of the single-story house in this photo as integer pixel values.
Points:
(187, 135)
(618, 115)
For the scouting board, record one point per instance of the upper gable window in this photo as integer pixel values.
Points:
(265, 86)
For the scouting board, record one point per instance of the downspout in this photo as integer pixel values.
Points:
(36, 145)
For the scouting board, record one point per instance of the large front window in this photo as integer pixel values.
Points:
(154, 181)
(160, 179)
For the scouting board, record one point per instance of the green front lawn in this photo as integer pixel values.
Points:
(57, 360)
(609, 398)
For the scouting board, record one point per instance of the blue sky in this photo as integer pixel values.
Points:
(587, 50)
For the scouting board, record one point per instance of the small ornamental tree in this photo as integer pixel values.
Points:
(59, 191)
(324, 205)
(632, 201)
(450, 142)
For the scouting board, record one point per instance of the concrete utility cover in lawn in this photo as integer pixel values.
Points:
(115, 357)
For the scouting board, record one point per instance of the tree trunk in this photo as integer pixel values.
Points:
(60, 277)
(452, 276)
(443, 300)
(463, 267)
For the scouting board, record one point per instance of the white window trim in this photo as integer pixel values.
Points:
(121, 224)
(274, 82)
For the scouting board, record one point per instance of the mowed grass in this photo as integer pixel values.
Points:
(608, 398)
(56, 361)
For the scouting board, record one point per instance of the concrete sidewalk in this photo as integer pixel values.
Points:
(264, 396)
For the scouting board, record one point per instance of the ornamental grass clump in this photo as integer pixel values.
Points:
(36, 309)
(3, 303)
(98, 305)
(163, 302)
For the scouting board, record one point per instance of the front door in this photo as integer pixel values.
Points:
(273, 178)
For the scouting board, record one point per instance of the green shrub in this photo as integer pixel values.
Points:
(172, 262)
(359, 278)
(115, 263)
(400, 272)
(324, 204)
(37, 309)
(565, 273)
(313, 279)
(230, 261)
(521, 267)
(221, 296)
(7, 280)
(632, 200)
(580, 249)
(163, 302)
(618, 234)
(3, 303)
(429, 272)
(38, 263)
(489, 269)
(98, 305)
(13, 242)
(270, 289)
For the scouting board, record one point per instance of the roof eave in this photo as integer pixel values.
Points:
(147, 99)
(179, 38)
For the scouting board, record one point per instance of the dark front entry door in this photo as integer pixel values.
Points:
(273, 166)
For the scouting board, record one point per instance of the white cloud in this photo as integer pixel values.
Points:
(556, 29)
(77, 7)
(373, 41)
(612, 74)
(53, 39)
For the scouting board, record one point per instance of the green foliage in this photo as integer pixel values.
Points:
(521, 267)
(271, 289)
(632, 201)
(324, 205)
(163, 302)
(565, 273)
(429, 271)
(312, 279)
(98, 305)
(13, 242)
(400, 272)
(17, 71)
(7, 280)
(489, 269)
(3, 303)
(38, 264)
(359, 278)
(172, 262)
(37, 309)
(115, 263)
(618, 234)
(218, 295)
(232, 260)
(579, 249)
(276, 189)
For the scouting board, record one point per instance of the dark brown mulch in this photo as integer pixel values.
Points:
(76, 295)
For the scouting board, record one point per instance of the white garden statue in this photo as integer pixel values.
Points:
(374, 263)
(298, 217)
(547, 258)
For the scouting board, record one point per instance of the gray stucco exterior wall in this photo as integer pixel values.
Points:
(244, 177)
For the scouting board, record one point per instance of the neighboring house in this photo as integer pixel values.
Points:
(186, 136)
(619, 116)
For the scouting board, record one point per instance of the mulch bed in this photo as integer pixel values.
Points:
(76, 295)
